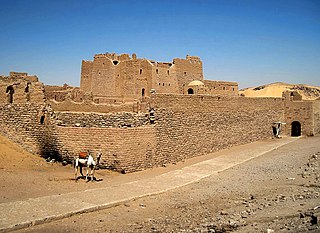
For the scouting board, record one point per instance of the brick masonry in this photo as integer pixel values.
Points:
(185, 126)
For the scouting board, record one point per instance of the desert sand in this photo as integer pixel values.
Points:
(308, 92)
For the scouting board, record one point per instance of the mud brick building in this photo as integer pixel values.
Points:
(120, 78)
(111, 112)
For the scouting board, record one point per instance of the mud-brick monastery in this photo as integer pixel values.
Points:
(141, 113)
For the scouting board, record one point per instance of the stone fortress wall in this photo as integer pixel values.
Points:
(62, 121)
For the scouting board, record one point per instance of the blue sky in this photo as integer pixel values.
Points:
(251, 42)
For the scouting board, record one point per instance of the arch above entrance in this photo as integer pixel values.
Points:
(190, 91)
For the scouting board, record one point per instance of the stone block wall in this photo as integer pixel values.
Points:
(185, 126)
(89, 106)
(124, 150)
(100, 120)
(23, 125)
(301, 111)
(316, 116)
(221, 87)
(188, 126)
(21, 90)
(86, 77)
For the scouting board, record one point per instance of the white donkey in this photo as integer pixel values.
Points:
(89, 163)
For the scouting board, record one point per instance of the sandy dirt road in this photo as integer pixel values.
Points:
(277, 192)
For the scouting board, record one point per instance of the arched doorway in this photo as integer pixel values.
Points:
(295, 129)
(190, 91)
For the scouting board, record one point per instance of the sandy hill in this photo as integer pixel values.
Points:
(13, 156)
(275, 90)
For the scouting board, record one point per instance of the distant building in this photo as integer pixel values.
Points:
(120, 78)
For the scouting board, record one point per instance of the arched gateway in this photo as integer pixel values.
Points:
(295, 129)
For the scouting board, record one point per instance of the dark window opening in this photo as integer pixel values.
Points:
(159, 84)
(185, 73)
(42, 119)
(115, 62)
(169, 84)
(295, 129)
(190, 91)
(224, 88)
(233, 89)
(291, 94)
(162, 84)
(140, 71)
(143, 92)
(168, 72)
(157, 71)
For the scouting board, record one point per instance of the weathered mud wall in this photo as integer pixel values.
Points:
(188, 126)
(185, 126)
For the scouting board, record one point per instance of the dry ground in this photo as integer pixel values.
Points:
(278, 192)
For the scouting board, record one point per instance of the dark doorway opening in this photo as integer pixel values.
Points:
(42, 119)
(10, 92)
(295, 129)
(190, 91)
(143, 92)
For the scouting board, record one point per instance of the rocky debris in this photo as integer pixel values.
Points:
(243, 214)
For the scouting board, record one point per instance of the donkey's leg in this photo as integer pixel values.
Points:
(87, 173)
(92, 173)
(80, 165)
(76, 166)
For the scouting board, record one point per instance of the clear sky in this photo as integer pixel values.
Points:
(251, 42)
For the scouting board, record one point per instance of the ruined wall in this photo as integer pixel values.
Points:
(63, 93)
(188, 126)
(221, 87)
(21, 88)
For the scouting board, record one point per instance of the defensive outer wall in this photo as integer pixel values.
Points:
(185, 126)
(197, 117)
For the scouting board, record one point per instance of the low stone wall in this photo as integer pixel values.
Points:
(89, 106)
(22, 124)
(124, 149)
